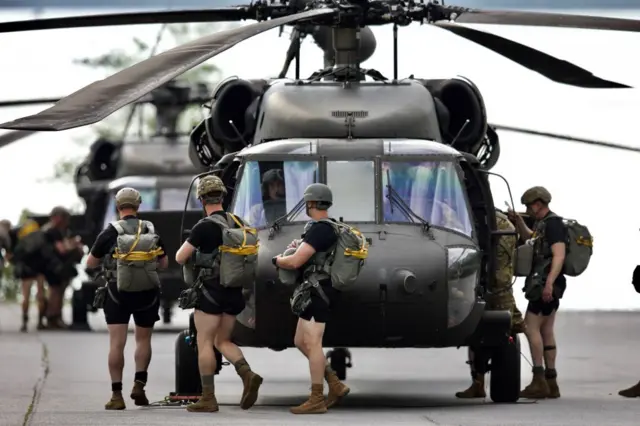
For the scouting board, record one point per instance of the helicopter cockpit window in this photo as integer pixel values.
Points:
(149, 203)
(269, 190)
(433, 191)
(172, 199)
(353, 187)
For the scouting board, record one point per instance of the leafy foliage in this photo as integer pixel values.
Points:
(9, 285)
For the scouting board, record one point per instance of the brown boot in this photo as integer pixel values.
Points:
(552, 381)
(314, 405)
(476, 390)
(116, 402)
(251, 382)
(538, 389)
(138, 394)
(337, 389)
(632, 392)
(207, 402)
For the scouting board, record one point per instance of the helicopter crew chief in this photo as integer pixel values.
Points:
(499, 298)
(217, 306)
(544, 287)
(131, 252)
(274, 204)
(319, 239)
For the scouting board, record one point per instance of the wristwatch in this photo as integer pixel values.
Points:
(274, 260)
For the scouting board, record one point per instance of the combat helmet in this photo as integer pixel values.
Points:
(534, 194)
(208, 185)
(320, 193)
(59, 211)
(128, 197)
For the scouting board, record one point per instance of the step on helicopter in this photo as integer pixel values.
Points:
(407, 160)
(157, 164)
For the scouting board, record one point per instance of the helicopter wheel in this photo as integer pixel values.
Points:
(340, 360)
(187, 379)
(505, 372)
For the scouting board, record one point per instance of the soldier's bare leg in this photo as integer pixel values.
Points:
(41, 297)
(550, 353)
(26, 300)
(117, 342)
(207, 327)
(538, 388)
(250, 380)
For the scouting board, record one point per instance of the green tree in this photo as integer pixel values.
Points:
(115, 60)
(10, 286)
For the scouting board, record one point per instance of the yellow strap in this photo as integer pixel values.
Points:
(245, 229)
(240, 251)
(29, 227)
(585, 241)
(141, 256)
(120, 256)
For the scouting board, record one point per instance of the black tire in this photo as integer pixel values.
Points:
(187, 372)
(338, 360)
(505, 372)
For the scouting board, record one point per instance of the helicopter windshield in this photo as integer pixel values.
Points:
(432, 189)
(149, 203)
(269, 190)
(353, 187)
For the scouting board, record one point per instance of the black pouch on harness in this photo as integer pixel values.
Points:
(100, 297)
(301, 298)
(188, 298)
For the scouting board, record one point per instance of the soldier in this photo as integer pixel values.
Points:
(544, 287)
(217, 306)
(132, 252)
(319, 239)
(498, 298)
(274, 204)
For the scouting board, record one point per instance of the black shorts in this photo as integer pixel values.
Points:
(540, 307)
(319, 310)
(228, 301)
(26, 271)
(143, 305)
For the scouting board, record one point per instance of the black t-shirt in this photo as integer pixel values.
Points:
(106, 241)
(321, 236)
(555, 232)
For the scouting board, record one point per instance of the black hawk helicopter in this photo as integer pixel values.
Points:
(157, 165)
(407, 159)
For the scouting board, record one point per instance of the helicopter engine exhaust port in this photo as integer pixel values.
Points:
(102, 161)
(467, 118)
(230, 122)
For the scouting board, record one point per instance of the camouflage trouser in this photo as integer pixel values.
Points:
(503, 301)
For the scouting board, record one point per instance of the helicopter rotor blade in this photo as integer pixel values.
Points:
(102, 98)
(555, 69)
(133, 18)
(13, 136)
(25, 102)
(540, 19)
(565, 137)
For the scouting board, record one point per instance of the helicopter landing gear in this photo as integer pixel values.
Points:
(340, 360)
(505, 372)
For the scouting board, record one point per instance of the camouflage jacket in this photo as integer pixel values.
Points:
(505, 253)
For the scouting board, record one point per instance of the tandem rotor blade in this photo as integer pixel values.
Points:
(102, 98)
(134, 18)
(538, 19)
(566, 138)
(553, 68)
(13, 136)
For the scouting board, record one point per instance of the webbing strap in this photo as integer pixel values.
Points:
(117, 302)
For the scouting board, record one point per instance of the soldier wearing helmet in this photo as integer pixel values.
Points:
(544, 287)
(319, 238)
(120, 303)
(217, 306)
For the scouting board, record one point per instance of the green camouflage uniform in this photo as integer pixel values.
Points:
(501, 297)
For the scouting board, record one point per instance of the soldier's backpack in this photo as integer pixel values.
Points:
(31, 240)
(136, 255)
(238, 254)
(579, 248)
(345, 261)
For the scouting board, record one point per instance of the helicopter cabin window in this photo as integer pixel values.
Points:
(269, 190)
(353, 187)
(149, 203)
(431, 189)
(173, 199)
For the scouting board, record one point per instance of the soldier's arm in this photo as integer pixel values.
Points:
(296, 260)
(554, 233)
(104, 242)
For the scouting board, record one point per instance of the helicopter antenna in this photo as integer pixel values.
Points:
(238, 134)
(464, 126)
(135, 106)
(395, 52)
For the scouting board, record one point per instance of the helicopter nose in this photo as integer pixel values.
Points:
(405, 279)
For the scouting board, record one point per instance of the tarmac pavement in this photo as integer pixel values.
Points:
(55, 377)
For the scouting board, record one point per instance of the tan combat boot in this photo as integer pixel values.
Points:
(116, 402)
(251, 384)
(632, 392)
(476, 390)
(337, 389)
(314, 405)
(138, 394)
(207, 402)
(552, 381)
(538, 388)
